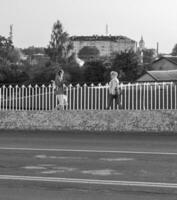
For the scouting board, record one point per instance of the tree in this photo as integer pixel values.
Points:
(126, 64)
(88, 52)
(174, 51)
(94, 72)
(60, 46)
(5, 48)
(148, 56)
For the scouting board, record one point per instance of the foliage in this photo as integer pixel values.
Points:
(60, 46)
(174, 51)
(13, 74)
(33, 50)
(126, 64)
(94, 72)
(148, 56)
(5, 49)
(88, 52)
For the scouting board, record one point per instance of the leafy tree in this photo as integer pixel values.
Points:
(5, 47)
(13, 74)
(94, 72)
(33, 50)
(126, 64)
(174, 51)
(60, 46)
(88, 52)
(148, 56)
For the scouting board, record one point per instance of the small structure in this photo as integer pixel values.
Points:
(159, 76)
(165, 63)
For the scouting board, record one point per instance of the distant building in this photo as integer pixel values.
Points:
(159, 76)
(165, 63)
(38, 58)
(107, 45)
(141, 44)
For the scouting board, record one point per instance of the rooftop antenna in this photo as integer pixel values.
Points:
(107, 30)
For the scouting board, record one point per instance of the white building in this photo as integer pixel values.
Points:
(105, 44)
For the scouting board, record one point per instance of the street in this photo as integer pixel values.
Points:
(36, 165)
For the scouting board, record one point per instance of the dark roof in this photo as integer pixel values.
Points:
(167, 75)
(172, 59)
(101, 38)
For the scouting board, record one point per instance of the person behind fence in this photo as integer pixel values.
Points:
(114, 91)
(58, 84)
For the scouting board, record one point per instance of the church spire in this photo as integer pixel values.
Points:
(142, 44)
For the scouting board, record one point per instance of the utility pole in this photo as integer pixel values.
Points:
(11, 33)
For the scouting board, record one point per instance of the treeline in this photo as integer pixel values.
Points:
(38, 65)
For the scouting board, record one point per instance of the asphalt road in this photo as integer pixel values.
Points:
(72, 166)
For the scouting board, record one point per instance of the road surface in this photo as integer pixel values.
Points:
(45, 165)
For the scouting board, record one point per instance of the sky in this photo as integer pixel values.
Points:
(32, 20)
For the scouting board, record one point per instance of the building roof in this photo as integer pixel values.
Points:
(172, 59)
(167, 75)
(101, 38)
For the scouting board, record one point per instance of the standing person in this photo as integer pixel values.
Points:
(59, 90)
(114, 91)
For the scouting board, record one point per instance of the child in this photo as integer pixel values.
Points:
(114, 90)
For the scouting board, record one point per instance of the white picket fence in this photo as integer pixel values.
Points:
(146, 96)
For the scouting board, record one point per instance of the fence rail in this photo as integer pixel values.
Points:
(138, 96)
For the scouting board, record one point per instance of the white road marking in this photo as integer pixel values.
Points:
(34, 167)
(89, 151)
(101, 172)
(116, 159)
(89, 181)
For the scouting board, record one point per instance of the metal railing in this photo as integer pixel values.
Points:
(138, 96)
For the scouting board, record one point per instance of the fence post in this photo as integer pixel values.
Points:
(167, 95)
(29, 97)
(10, 97)
(50, 106)
(3, 97)
(88, 97)
(136, 96)
(148, 96)
(175, 97)
(132, 89)
(103, 99)
(70, 97)
(144, 96)
(107, 88)
(42, 95)
(0, 99)
(163, 95)
(74, 98)
(155, 96)
(85, 87)
(99, 93)
(36, 97)
(77, 103)
(92, 86)
(151, 97)
(129, 86)
(32, 98)
(22, 97)
(171, 96)
(140, 96)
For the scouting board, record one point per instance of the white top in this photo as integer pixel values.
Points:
(113, 84)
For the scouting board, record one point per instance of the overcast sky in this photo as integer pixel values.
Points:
(156, 20)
